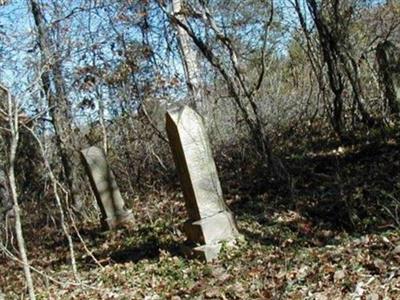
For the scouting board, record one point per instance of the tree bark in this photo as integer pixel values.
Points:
(13, 124)
(5, 198)
(237, 85)
(54, 87)
(331, 59)
(389, 71)
(189, 60)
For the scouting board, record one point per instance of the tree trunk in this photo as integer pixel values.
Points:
(188, 54)
(329, 49)
(389, 70)
(237, 86)
(13, 123)
(6, 201)
(60, 111)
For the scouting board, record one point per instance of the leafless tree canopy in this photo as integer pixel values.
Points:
(301, 100)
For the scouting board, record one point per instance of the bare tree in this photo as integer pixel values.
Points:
(242, 90)
(332, 20)
(5, 198)
(13, 122)
(188, 55)
(57, 197)
(54, 87)
(389, 70)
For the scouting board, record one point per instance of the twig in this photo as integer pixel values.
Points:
(52, 279)
(14, 127)
(58, 202)
(90, 253)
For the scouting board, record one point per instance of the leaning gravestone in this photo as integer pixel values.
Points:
(105, 188)
(210, 221)
(388, 58)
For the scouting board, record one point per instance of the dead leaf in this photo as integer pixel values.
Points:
(380, 265)
(372, 297)
(396, 250)
(339, 275)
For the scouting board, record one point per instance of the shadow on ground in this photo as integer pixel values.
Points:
(147, 251)
(353, 189)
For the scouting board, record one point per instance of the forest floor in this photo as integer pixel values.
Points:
(334, 234)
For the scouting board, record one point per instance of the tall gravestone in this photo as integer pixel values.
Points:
(388, 58)
(210, 220)
(105, 188)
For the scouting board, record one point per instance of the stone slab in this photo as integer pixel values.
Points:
(210, 221)
(105, 188)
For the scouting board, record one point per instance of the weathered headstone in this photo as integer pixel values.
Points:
(210, 220)
(388, 58)
(105, 188)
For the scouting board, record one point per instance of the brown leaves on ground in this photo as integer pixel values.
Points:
(333, 237)
(349, 267)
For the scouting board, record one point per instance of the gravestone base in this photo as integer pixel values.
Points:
(207, 252)
(209, 230)
(120, 219)
(209, 233)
